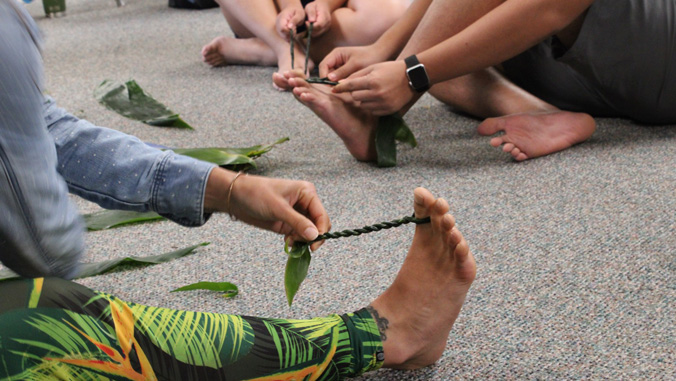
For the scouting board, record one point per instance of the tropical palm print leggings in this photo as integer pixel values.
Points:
(56, 329)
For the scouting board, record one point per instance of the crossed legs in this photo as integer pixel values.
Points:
(258, 43)
(531, 126)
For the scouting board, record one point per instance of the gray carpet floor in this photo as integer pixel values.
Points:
(576, 251)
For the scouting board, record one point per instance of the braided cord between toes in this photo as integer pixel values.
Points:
(372, 228)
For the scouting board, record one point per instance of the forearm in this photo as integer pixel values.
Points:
(118, 171)
(392, 42)
(506, 31)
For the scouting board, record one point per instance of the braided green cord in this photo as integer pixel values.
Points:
(323, 81)
(291, 39)
(372, 228)
(307, 48)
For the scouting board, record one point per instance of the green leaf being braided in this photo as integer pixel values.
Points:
(296, 268)
(391, 128)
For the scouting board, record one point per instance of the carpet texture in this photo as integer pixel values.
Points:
(575, 251)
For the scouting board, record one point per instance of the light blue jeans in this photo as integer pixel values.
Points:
(46, 153)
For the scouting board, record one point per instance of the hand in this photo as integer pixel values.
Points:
(319, 13)
(287, 207)
(288, 19)
(342, 62)
(381, 89)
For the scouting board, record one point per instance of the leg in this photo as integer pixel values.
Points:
(359, 22)
(40, 230)
(532, 127)
(255, 21)
(481, 94)
(441, 20)
(245, 49)
(406, 327)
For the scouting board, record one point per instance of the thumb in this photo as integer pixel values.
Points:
(311, 12)
(300, 224)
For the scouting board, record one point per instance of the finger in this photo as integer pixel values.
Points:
(347, 69)
(354, 83)
(330, 63)
(311, 12)
(301, 225)
(365, 96)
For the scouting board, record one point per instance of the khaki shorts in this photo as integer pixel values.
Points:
(623, 63)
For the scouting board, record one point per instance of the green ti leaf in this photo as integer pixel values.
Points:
(391, 128)
(231, 158)
(97, 268)
(296, 268)
(130, 101)
(228, 289)
(107, 219)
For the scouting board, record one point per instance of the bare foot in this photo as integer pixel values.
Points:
(416, 313)
(355, 127)
(223, 50)
(528, 136)
(284, 65)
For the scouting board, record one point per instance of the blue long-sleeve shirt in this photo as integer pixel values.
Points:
(46, 152)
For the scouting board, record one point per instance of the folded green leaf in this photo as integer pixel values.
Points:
(217, 156)
(228, 289)
(391, 128)
(230, 157)
(107, 219)
(130, 101)
(296, 269)
(97, 268)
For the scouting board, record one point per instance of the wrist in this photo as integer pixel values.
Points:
(216, 193)
(418, 79)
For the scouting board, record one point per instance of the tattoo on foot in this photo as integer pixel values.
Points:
(381, 322)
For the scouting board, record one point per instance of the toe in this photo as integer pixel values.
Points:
(423, 200)
(490, 126)
(497, 141)
(521, 157)
(508, 147)
(280, 81)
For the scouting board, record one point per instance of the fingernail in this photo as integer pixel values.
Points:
(332, 77)
(310, 233)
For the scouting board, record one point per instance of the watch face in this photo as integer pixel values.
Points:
(418, 77)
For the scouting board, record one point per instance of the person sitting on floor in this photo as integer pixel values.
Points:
(54, 328)
(537, 71)
(261, 29)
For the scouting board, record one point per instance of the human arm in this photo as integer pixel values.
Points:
(498, 35)
(288, 207)
(118, 171)
(343, 61)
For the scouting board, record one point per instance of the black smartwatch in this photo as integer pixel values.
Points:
(417, 75)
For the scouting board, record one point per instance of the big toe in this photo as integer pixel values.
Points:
(280, 82)
(423, 200)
